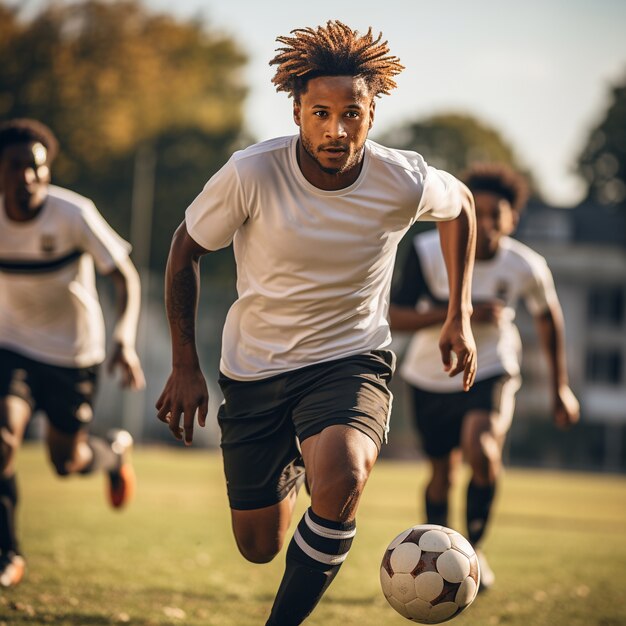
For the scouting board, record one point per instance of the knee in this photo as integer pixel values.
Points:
(485, 454)
(343, 488)
(258, 549)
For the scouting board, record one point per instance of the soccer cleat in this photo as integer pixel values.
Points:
(121, 480)
(12, 569)
(487, 577)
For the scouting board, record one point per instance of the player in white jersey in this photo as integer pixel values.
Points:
(52, 337)
(315, 220)
(453, 424)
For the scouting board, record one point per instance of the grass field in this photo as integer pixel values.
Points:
(558, 546)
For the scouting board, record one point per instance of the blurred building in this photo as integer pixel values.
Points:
(586, 249)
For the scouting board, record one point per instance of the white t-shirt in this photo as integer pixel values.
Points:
(49, 308)
(516, 272)
(313, 267)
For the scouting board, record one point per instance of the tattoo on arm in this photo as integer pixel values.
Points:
(182, 303)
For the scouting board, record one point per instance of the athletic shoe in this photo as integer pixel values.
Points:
(12, 569)
(121, 480)
(487, 577)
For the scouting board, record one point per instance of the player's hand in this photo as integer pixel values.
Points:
(458, 349)
(566, 407)
(487, 312)
(184, 395)
(126, 360)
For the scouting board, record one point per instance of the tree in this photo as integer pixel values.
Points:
(449, 142)
(452, 141)
(109, 77)
(602, 162)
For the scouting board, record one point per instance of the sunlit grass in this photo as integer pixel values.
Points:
(557, 544)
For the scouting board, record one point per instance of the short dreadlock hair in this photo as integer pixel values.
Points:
(500, 179)
(25, 130)
(334, 50)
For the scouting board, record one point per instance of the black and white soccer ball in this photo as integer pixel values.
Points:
(429, 574)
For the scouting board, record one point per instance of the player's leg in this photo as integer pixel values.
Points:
(16, 408)
(443, 470)
(341, 421)
(483, 452)
(483, 435)
(338, 463)
(260, 533)
(14, 416)
(437, 418)
(68, 402)
(262, 463)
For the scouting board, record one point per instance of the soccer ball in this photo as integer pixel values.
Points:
(429, 574)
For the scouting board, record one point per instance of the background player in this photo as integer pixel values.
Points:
(51, 325)
(316, 219)
(448, 420)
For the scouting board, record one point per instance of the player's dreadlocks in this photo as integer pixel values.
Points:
(24, 130)
(500, 179)
(334, 50)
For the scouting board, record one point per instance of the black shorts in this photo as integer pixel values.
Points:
(263, 421)
(439, 416)
(65, 394)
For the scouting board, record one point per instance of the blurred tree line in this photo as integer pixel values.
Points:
(123, 86)
(451, 141)
(114, 80)
(602, 162)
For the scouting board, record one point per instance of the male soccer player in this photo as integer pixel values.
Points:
(475, 424)
(51, 326)
(315, 219)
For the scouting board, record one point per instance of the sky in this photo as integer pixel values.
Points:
(539, 72)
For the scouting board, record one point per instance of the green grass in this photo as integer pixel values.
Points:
(557, 544)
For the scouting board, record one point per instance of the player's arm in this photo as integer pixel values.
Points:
(406, 318)
(458, 244)
(128, 301)
(551, 331)
(185, 392)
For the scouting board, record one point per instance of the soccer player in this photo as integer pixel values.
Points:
(473, 425)
(315, 219)
(51, 325)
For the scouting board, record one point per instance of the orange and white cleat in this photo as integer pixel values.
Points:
(122, 480)
(12, 569)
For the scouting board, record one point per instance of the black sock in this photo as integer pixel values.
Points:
(436, 512)
(103, 457)
(315, 554)
(8, 505)
(479, 500)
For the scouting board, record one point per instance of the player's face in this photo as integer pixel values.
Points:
(24, 178)
(334, 115)
(495, 218)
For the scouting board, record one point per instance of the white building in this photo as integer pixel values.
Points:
(586, 249)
